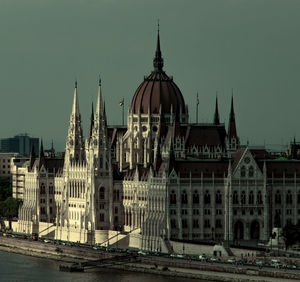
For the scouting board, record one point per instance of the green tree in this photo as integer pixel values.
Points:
(5, 189)
(9, 208)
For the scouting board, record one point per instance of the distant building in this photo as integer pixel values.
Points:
(18, 168)
(19, 144)
(5, 163)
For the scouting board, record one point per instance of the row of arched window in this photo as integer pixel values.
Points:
(242, 199)
(195, 198)
(288, 197)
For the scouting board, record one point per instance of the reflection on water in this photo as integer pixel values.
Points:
(14, 267)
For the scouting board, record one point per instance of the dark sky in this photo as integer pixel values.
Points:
(252, 46)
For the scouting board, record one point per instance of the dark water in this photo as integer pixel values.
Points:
(15, 267)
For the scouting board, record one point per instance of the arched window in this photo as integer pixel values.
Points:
(207, 198)
(101, 194)
(277, 197)
(195, 197)
(251, 171)
(243, 171)
(289, 199)
(218, 197)
(251, 198)
(243, 198)
(235, 198)
(184, 199)
(259, 198)
(173, 198)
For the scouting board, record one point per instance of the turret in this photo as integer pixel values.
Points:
(233, 140)
(74, 143)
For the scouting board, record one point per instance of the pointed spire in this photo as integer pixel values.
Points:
(92, 122)
(42, 150)
(75, 110)
(232, 116)
(216, 117)
(104, 114)
(158, 61)
(99, 100)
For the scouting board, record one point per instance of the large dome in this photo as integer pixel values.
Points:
(158, 89)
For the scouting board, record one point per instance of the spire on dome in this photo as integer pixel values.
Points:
(216, 117)
(158, 61)
(232, 116)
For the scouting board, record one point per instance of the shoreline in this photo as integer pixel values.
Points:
(208, 275)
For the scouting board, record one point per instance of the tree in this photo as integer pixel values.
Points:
(291, 235)
(9, 208)
(5, 189)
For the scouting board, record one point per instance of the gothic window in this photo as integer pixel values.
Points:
(173, 198)
(195, 197)
(243, 198)
(289, 199)
(251, 198)
(116, 209)
(195, 223)
(277, 197)
(101, 194)
(42, 189)
(184, 199)
(101, 217)
(235, 198)
(218, 223)
(206, 223)
(207, 198)
(116, 219)
(259, 198)
(218, 197)
(173, 223)
(243, 171)
(251, 171)
(184, 223)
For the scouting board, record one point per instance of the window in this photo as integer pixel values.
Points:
(173, 223)
(195, 212)
(206, 223)
(207, 211)
(173, 198)
(235, 211)
(259, 211)
(218, 197)
(101, 194)
(289, 199)
(277, 197)
(251, 198)
(116, 209)
(243, 211)
(184, 212)
(251, 212)
(251, 171)
(235, 198)
(289, 212)
(243, 171)
(207, 198)
(195, 197)
(259, 198)
(243, 198)
(184, 223)
(195, 223)
(219, 211)
(298, 198)
(184, 199)
(218, 223)
(101, 217)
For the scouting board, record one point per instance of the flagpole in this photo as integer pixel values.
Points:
(197, 104)
(123, 112)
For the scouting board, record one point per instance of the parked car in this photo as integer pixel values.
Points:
(203, 258)
(215, 259)
(261, 263)
(232, 260)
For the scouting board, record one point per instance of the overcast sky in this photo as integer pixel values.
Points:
(252, 46)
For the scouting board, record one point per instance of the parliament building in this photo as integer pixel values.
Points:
(160, 178)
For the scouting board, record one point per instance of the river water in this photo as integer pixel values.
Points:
(15, 267)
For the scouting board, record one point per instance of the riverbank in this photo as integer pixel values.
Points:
(167, 268)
